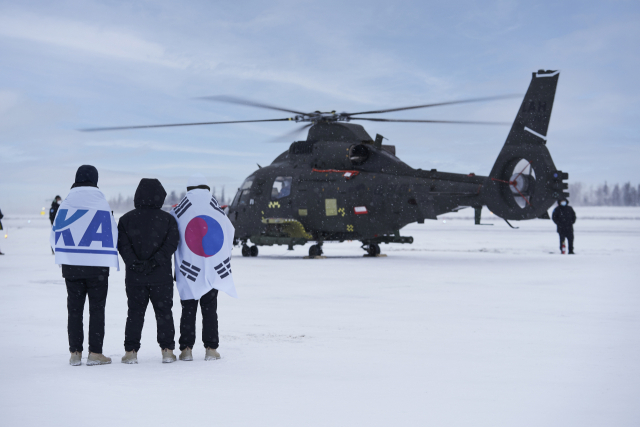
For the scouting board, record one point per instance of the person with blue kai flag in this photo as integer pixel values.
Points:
(202, 264)
(84, 236)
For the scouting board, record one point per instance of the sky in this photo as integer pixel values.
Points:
(67, 65)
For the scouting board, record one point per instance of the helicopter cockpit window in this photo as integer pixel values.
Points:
(281, 187)
(244, 193)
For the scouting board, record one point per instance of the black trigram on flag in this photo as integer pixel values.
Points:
(182, 207)
(224, 268)
(215, 205)
(189, 271)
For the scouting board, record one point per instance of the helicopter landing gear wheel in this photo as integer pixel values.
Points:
(373, 249)
(246, 251)
(253, 250)
(315, 250)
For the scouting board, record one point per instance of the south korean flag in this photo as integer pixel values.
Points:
(203, 258)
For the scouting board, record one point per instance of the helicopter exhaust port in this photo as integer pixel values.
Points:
(358, 154)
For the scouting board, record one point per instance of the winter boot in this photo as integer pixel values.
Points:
(130, 357)
(98, 359)
(168, 356)
(76, 359)
(212, 354)
(186, 354)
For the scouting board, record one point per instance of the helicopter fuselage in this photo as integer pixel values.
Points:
(345, 190)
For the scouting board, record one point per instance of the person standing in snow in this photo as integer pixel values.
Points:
(54, 208)
(84, 235)
(564, 217)
(53, 212)
(147, 239)
(202, 265)
(1, 228)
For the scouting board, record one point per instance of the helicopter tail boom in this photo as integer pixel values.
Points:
(524, 182)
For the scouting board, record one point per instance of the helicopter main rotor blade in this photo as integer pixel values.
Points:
(459, 122)
(180, 124)
(438, 104)
(291, 134)
(249, 103)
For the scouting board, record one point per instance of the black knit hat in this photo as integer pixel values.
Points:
(87, 174)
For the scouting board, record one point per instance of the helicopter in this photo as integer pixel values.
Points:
(340, 184)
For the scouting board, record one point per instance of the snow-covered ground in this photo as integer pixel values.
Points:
(469, 326)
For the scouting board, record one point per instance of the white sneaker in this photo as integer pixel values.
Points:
(212, 354)
(98, 359)
(130, 357)
(186, 355)
(75, 359)
(168, 356)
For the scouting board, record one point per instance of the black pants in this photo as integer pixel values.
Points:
(161, 297)
(209, 304)
(566, 234)
(77, 291)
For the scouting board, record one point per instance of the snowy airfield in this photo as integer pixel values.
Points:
(469, 326)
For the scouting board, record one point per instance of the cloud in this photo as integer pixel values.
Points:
(177, 148)
(85, 36)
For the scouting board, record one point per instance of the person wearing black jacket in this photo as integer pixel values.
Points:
(54, 208)
(53, 212)
(147, 239)
(1, 216)
(564, 217)
(83, 281)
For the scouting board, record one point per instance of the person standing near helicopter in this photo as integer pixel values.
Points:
(564, 217)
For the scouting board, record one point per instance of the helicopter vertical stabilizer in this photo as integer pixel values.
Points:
(524, 181)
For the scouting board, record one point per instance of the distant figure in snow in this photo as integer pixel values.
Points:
(564, 217)
(53, 211)
(147, 239)
(84, 236)
(54, 208)
(202, 265)
(1, 228)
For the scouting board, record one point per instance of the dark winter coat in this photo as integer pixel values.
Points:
(148, 237)
(564, 217)
(53, 211)
(1, 216)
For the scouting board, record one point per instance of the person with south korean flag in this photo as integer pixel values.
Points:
(202, 264)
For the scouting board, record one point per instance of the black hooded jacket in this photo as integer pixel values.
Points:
(564, 217)
(148, 237)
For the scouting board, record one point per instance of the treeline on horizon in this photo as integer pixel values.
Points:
(125, 204)
(604, 194)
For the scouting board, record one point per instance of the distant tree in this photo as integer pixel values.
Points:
(616, 196)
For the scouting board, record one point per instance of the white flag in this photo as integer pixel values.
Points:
(84, 231)
(203, 258)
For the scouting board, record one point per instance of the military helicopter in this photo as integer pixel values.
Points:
(341, 184)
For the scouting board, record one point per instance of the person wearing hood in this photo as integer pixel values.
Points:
(564, 217)
(85, 267)
(147, 239)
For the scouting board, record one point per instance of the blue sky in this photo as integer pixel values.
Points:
(66, 65)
